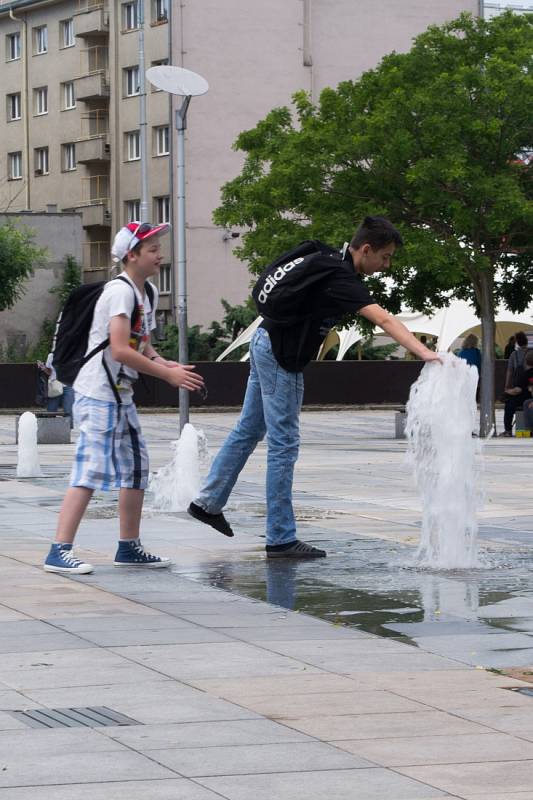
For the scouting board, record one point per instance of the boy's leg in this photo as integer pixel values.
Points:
(282, 395)
(130, 506)
(131, 466)
(72, 510)
(93, 468)
(237, 448)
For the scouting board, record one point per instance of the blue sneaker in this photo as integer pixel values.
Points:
(133, 554)
(61, 559)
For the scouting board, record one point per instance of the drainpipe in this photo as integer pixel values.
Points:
(25, 105)
(145, 215)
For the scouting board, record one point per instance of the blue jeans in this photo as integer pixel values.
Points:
(271, 406)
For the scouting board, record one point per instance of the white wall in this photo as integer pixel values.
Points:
(251, 53)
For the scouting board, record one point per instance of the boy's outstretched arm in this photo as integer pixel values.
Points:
(179, 376)
(397, 331)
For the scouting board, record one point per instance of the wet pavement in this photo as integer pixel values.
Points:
(356, 677)
(354, 496)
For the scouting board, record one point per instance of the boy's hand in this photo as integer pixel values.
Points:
(429, 355)
(184, 377)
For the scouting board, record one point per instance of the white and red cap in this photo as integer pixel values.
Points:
(131, 234)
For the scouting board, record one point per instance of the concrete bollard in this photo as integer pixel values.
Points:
(400, 421)
(52, 428)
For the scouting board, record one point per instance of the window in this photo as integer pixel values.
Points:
(159, 10)
(165, 279)
(66, 33)
(130, 16)
(69, 157)
(41, 100)
(14, 166)
(69, 96)
(13, 107)
(162, 140)
(41, 160)
(131, 81)
(162, 209)
(40, 40)
(133, 146)
(133, 211)
(13, 46)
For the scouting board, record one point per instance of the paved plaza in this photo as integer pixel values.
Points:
(357, 676)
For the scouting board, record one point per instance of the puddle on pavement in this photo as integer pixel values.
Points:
(364, 585)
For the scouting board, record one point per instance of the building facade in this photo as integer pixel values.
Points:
(70, 127)
(69, 134)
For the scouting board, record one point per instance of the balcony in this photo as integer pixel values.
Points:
(94, 123)
(92, 87)
(95, 216)
(92, 21)
(93, 150)
(96, 256)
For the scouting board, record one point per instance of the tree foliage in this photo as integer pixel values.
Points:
(18, 257)
(438, 139)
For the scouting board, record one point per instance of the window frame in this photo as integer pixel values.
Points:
(42, 160)
(133, 137)
(40, 93)
(40, 34)
(162, 203)
(65, 93)
(165, 283)
(11, 102)
(14, 158)
(130, 74)
(160, 137)
(68, 157)
(130, 8)
(11, 38)
(132, 210)
(64, 25)
(157, 16)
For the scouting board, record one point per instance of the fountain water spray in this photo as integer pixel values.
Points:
(28, 458)
(177, 483)
(441, 416)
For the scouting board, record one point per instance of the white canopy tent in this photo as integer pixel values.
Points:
(446, 325)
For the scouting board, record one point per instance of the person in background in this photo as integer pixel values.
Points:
(509, 347)
(513, 380)
(471, 352)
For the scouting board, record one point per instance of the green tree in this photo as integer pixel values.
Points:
(439, 139)
(18, 256)
(71, 280)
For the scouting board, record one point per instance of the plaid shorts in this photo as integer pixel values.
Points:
(111, 451)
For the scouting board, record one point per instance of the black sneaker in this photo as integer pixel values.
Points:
(216, 521)
(294, 549)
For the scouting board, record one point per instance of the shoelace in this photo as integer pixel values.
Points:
(68, 556)
(139, 549)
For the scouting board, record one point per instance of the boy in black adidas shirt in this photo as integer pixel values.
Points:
(275, 388)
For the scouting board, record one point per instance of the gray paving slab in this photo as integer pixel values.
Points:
(161, 789)
(57, 768)
(266, 758)
(503, 776)
(215, 733)
(365, 784)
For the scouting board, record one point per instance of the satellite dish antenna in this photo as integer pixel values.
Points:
(183, 83)
(176, 80)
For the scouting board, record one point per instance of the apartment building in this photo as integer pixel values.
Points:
(69, 127)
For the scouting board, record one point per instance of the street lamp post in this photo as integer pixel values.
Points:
(186, 84)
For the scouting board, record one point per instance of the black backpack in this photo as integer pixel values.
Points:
(73, 327)
(281, 291)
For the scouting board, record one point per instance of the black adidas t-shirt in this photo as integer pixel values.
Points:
(341, 293)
